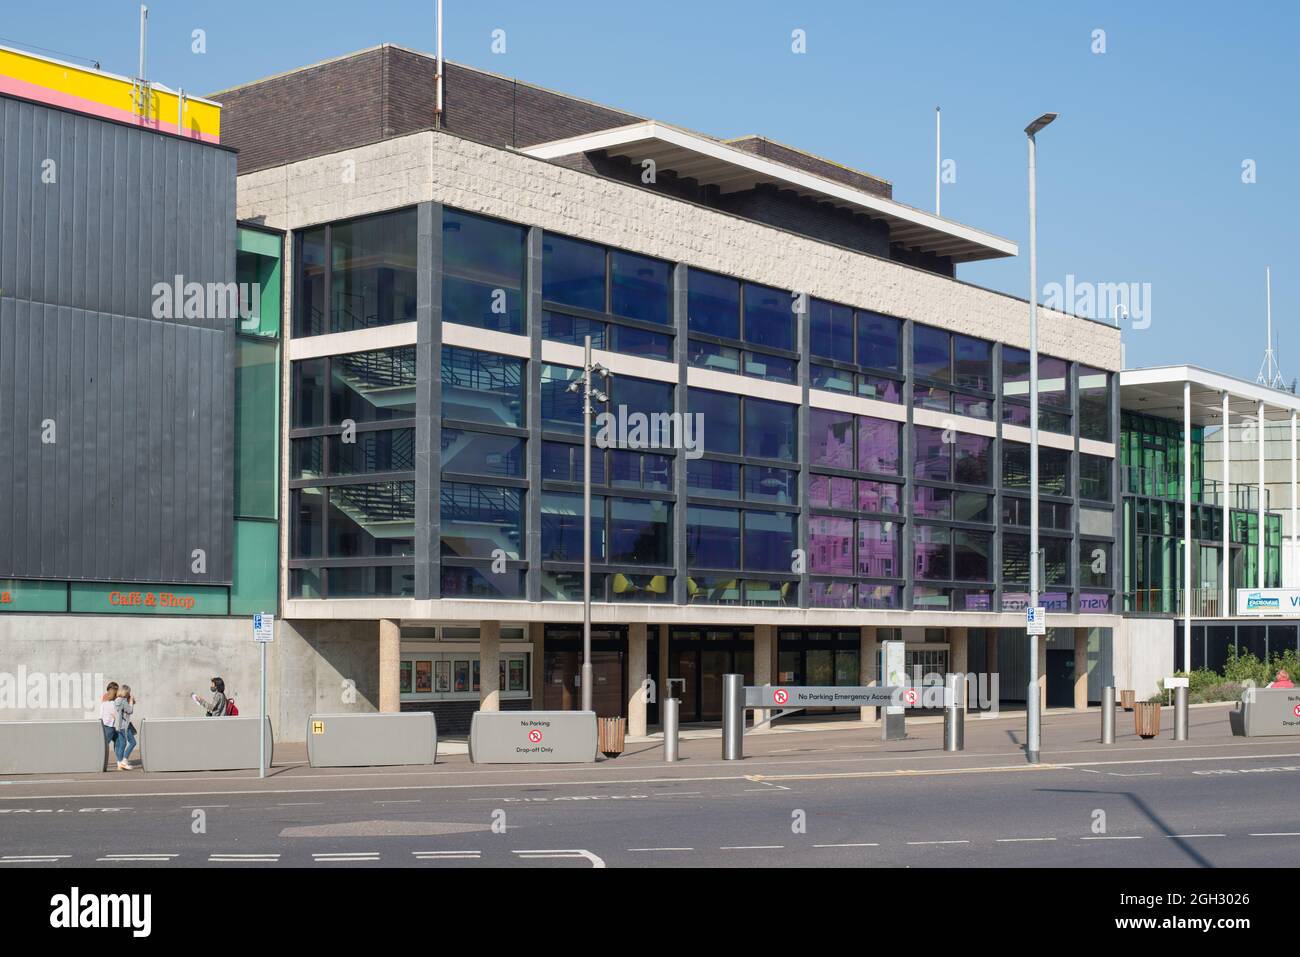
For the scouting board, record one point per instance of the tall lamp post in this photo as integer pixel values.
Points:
(583, 385)
(1032, 702)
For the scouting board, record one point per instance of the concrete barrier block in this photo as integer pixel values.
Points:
(203, 744)
(532, 737)
(1271, 711)
(52, 747)
(372, 740)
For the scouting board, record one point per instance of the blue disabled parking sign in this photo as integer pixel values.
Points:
(1036, 621)
(263, 628)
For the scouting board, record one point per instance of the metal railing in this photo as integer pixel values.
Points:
(1167, 484)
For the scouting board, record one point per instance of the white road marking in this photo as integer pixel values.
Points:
(345, 857)
(1113, 837)
(846, 845)
(1189, 836)
(1021, 840)
(33, 858)
(243, 858)
(302, 804)
(585, 855)
(753, 847)
(410, 801)
(137, 857)
(1277, 834)
(1135, 774)
(920, 843)
(446, 855)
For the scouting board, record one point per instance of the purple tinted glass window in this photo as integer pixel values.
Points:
(933, 455)
(841, 493)
(972, 465)
(878, 596)
(932, 550)
(878, 549)
(930, 502)
(1016, 414)
(878, 497)
(831, 594)
(978, 601)
(877, 445)
(831, 545)
(1090, 601)
(831, 438)
(878, 387)
(818, 489)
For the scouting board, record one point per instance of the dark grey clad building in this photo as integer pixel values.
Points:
(116, 438)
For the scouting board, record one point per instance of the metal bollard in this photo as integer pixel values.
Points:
(1107, 715)
(1180, 714)
(733, 717)
(671, 710)
(954, 715)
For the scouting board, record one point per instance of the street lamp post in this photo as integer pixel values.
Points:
(1032, 702)
(583, 385)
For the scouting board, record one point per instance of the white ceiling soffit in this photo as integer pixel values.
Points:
(1159, 392)
(712, 163)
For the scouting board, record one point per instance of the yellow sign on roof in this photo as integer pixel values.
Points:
(94, 92)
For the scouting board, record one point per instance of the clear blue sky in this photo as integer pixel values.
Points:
(1139, 181)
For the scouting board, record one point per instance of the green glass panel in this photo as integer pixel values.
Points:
(256, 579)
(18, 595)
(257, 381)
(257, 263)
(121, 599)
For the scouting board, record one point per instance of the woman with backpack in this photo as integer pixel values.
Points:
(124, 707)
(220, 706)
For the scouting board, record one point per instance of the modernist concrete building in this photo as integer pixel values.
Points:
(861, 470)
(864, 467)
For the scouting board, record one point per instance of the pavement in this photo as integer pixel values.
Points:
(813, 798)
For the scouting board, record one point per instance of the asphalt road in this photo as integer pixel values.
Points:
(829, 799)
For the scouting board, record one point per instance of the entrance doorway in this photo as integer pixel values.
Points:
(1060, 678)
(700, 657)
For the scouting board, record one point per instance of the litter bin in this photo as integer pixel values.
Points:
(610, 733)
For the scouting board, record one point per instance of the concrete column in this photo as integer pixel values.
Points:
(1042, 674)
(390, 657)
(991, 652)
(958, 657)
(868, 649)
(764, 668)
(636, 674)
(489, 657)
(537, 637)
(1081, 669)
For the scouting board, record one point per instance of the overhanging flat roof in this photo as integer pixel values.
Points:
(1159, 391)
(714, 163)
